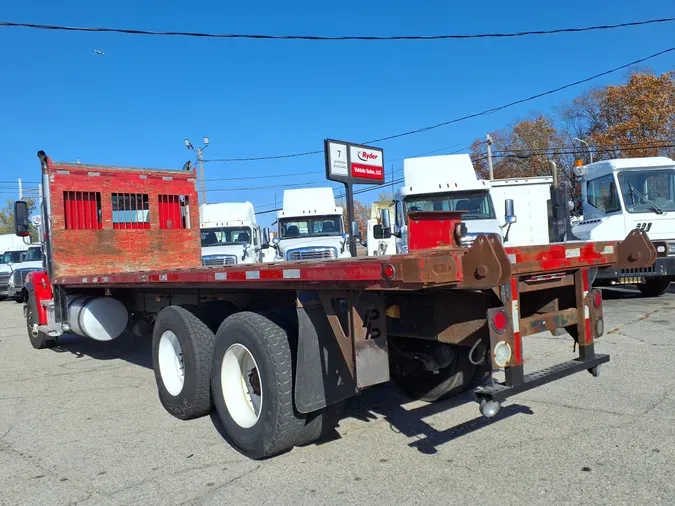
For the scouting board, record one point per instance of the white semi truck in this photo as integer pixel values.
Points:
(310, 226)
(445, 183)
(621, 195)
(12, 251)
(230, 234)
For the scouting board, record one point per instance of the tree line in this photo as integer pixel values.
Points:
(635, 118)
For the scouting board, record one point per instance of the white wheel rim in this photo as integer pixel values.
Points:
(241, 385)
(171, 366)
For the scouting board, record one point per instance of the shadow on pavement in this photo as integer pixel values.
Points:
(387, 402)
(133, 349)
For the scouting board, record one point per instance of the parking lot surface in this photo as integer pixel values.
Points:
(82, 424)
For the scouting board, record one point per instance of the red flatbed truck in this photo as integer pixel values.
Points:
(275, 347)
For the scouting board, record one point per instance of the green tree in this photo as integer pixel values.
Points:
(7, 218)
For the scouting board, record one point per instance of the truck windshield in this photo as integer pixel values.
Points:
(13, 257)
(225, 235)
(314, 226)
(646, 191)
(33, 255)
(477, 204)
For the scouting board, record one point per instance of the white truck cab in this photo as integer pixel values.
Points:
(31, 261)
(310, 226)
(446, 183)
(229, 234)
(9, 260)
(624, 194)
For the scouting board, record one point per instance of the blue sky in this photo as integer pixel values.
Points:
(136, 104)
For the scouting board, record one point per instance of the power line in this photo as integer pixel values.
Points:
(464, 118)
(208, 35)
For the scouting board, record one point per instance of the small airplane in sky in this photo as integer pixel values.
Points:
(98, 51)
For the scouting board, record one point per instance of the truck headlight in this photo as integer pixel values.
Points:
(671, 247)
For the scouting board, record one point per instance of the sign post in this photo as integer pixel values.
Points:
(352, 164)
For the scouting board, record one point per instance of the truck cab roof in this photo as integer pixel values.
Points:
(440, 174)
(226, 214)
(597, 169)
(308, 202)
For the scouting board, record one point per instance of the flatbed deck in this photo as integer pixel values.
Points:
(369, 273)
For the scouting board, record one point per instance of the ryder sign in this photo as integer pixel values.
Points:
(353, 163)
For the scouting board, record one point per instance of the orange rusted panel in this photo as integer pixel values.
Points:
(113, 219)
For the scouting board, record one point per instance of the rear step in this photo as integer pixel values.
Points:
(499, 392)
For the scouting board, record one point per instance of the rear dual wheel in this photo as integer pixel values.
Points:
(245, 371)
(252, 385)
(182, 345)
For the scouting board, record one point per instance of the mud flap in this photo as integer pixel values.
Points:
(342, 346)
(323, 375)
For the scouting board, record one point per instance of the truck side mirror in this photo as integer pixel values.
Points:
(265, 238)
(509, 212)
(355, 230)
(21, 223)
(379, 232)
(383, 231)
(275, 242)
(385, 219)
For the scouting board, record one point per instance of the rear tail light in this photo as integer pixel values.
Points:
(597, 299)
(500, 322)
(388, 271)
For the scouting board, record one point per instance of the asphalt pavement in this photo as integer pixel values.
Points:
(82, 424)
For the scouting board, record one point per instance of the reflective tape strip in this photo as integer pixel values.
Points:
(252, 274)
(291, 273)
(221, 276)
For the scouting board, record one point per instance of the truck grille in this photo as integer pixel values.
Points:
(636, 272)
(19, 277)
(219, 261)
(312, 254)
(4, 278)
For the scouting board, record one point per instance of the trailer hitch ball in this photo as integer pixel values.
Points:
(489, 408)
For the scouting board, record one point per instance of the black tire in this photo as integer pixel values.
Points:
(278, 426)
(196, 342)
(39, 340)
(654, 287)
(452, 380)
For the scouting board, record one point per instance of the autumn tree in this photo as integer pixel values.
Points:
(384, 196)
(633, 119)
(361, 217)
(525, 149)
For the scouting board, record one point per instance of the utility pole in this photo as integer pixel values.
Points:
(20, 190)
(200, 160)
(488, 141)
